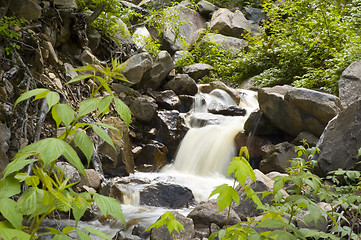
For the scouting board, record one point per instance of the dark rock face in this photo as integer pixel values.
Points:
(349, 85)
(198, 70)
(167, 195)
(182, 84)
(154, 155)
(341, 140)
(168, 100)
(227, 110)
(144, 108)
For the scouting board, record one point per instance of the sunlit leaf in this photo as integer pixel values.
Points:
(104, 104)
(29, 200)
(80, 77)
(65, 113)
(109, 206)
(9, 211)
(227, 194)
(103, 134)
(123, 111)
(9, 186)
(97, 233)
(19, 162)
(9, 233)
(52, 98)
(30, 94)
(82, 235)
(84, 143)
(88, 106)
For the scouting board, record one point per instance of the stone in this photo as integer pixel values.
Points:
(340, 142)
(27, 9)
(137, 66)
(87, 57)
(277, 157)
(206, 213)
(168, 100)
(310, 139)
(152, 155)
(228, 23)
(349, 85)
(167, 195)
(53, 56)
(93, 179)
(162, 233)
(255, 15)
(222, 86)
(225, 42)
(144, 108)
(154, 77)
(258, 125)
(94, 38)
(70, 72)
(186, 103)
(69, 171)
(182, 84)
(206, 8)
(226, 110)
(118, 161)
(65, 4)
(294, 110)
(198, 70)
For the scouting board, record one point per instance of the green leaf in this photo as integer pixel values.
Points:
(359, 152)
(109, 206)
(252, 195)
(88, 106)
(9, 187)
(271, 223)
(32, 181)
(8, 233)
(9, 211)
(19, 162)
(29, 200)
(61, 237)
(73, 158)
(123, 111)
(107, 126)
(82, 235)
(104, 84)
(65, 113)
(104, 105)
(84, 143)
(97, 233)
(56, 117)
(52, 98)
(277, 186)
(30, 94)
(241, 169)
(67, 229)
(79, 78)
(103, 134)
(80, 205)
(227, 194)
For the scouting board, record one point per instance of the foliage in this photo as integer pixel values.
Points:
(167, 219)
(291, 212)
(9, 30)
(48, 188)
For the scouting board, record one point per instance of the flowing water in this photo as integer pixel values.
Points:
(202, 158)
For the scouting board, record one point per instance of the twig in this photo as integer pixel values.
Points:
(96, 13)
(40, 123)
(353, 225)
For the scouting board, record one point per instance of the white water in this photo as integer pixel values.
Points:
(202, 158)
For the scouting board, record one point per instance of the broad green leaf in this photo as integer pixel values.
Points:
(277, 186)
(56, 117)
(97, 233)
(271, 223)
(174, 225)
(109, 206)
(123, 111)
(227, 194)
(67, 229)
(241, 169)
(30, 94)
(80, 204)
(88, 106)
(281, 235)
(80, 77)
(9, 211)
(19, 162)
(9, 233)
(103, 134)
(29, 200)
(252, 195)
(168, 220)
(32, 181)
(84, 143)
(104, 84)
(9, 186)
(52, 98)
(104, 105)
(65, 113)
(107, 126)
(82, 235)
(48, 149)
(73, 158)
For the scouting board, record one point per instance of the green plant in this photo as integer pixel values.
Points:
(48, 188)
(9, 31)
(168, 219)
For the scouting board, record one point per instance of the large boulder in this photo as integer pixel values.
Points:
(228, 23)
(182, 84)
(27, 9)
(198, 70)
(144, 108)
(225, 42)
(66, 4)
(137, 66)
(167, 195)
(167, 100)
(349, 85)
(341, 140)
(294, 110)
(152, 157)
(206, 8)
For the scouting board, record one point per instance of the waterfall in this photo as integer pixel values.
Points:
(207, 150)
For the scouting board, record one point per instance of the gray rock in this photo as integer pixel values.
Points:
(225, 42)
(93, 179)
(144, 108)
(65, 4)
(277, 157)
(228, 23)
(198, 70)
(153, 155)
(294, 110)
(94, 38)
(258, 125)
(206, 213)
(53, 56)
(69, 171)
(341, 140)
(137, 66)
(182, 84)
(168, 100)
(162, 233)
(349, 85)
(308, 137)
(206, 8)
(27, 9)
(161, 67)
(226, 110)
(255, 15)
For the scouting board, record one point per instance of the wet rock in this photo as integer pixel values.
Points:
(341, 140)
(168, 100)
(186, 103)
(161, 67)
(119, 161)
(294, 110)
(27, 9)
(277, 157)
(152, 155)
(198, 70)
(206, 213)
(87, 57)
(204, 119)
(349, 85)
(137, 66)
(162, 233)
(206, 8)
(167, 195)
(182, 84)
(228, 23)
(208, 88)
(258, 125)
(225, 42)
(144, 108)
(227, 110)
